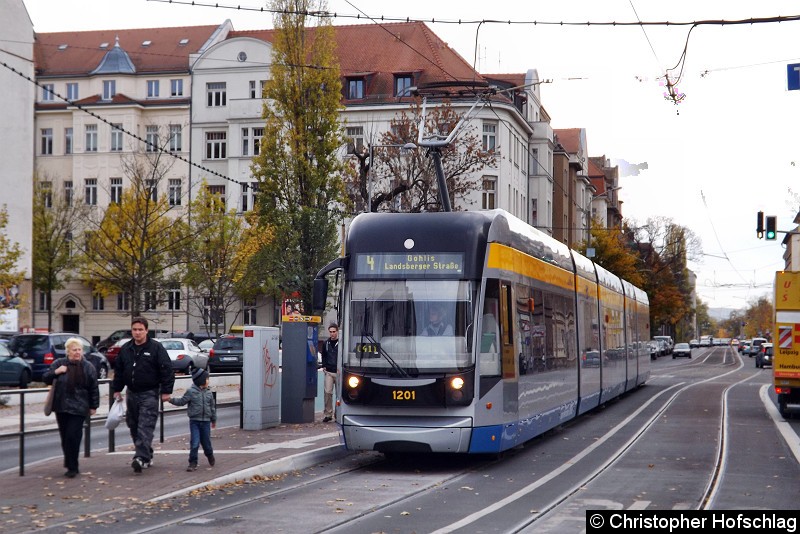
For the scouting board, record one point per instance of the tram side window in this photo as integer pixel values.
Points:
(525, 308)
(490, 331)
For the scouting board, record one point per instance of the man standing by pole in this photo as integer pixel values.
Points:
(144, 367)
(330, 356)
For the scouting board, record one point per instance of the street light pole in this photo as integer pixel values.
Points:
(406, 146)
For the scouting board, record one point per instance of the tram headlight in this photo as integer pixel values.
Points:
(353, 382)
(457, 382)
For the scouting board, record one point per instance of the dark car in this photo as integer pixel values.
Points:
(682, 350)
(41, 350)
(14, 371)
(227, 354)
(115, 336)
(764, 355)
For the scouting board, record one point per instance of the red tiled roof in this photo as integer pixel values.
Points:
(598, 183)
(378, 52)
(569, 138)
(595, 170)
(83, 53)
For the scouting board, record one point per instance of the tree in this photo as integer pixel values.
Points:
(56, 219)
(135, 247)
(218, 258)
(613, 253)
(298, 168)
(664, 248)
(759, 318)
(405, 180)
(10, 252)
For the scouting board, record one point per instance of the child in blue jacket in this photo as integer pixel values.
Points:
(202, 413)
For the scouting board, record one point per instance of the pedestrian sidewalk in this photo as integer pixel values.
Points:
(45, 498)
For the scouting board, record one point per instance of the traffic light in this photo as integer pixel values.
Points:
(771, 224)
(760, 225)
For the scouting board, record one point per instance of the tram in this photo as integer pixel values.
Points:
(527, 333)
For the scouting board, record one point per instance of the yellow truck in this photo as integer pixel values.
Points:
(786, 339)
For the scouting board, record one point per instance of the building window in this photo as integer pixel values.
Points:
(249, 313)
(489, 136)
(72, 92)
(152, 89)
(98, 303)
(174, 192)
(249, 196)
(48, 92)
(216, 94)
(489, 195)
(116, 190)
(150, 300)
(47, 141)
(534, 212)
(216, 145)
(109, 89)
(91, 138)
(245, 141)
(355, 139)
(46, 190)
(70, 243)
(152, 186)
(218, 190)
(355, 88)
(174, 299)
(68, 193)
(43, 301)
(67, 140)
(257, 88)
(116, 138)
(123, 301)
(176, 87)
(151, 138)
(175, 137)
(258, 133)
(402, 84)
(90, 190)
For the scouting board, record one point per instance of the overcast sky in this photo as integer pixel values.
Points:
(728, 150)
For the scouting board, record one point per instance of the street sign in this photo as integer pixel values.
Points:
(793, 76)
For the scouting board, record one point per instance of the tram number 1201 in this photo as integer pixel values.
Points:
(404, 395)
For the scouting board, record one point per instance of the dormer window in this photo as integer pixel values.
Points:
(147, 43)
(355, 88)
(103, 45)
(109, 89)
(183, 42)
(402, 84)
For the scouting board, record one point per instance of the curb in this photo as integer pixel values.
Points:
(276, 467)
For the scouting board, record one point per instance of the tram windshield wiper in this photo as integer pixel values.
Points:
(365, 334)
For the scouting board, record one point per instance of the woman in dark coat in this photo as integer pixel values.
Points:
(76, 396)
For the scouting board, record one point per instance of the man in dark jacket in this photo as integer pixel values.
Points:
(144, 367)
(330, 354)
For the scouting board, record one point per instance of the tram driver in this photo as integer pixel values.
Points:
(437, 324)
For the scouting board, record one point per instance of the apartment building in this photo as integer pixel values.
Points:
(202, 86)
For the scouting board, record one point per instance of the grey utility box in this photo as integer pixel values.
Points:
(262, 386)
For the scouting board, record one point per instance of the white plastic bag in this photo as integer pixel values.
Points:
(116, 414)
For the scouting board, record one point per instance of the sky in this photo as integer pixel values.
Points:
(727, 151)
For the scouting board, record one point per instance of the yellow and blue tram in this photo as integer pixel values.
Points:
(528, 333)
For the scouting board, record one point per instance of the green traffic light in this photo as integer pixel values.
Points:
(771, 229)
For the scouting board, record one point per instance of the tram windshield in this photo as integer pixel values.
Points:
(408, 327)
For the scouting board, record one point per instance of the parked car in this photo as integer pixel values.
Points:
(652, 348)
(207, 344)
(184, 353)
(113, 350)
(694, 343)
(14, 371)
(744, 346)
(764, 355)
(40, 350)
(590, 359)
(227, 354)
(103, 346)
(682, 350)
(661, 345)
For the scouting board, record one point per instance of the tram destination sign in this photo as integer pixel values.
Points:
(408, 264)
